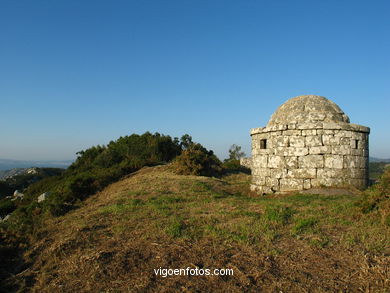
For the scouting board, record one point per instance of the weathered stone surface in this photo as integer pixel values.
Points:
(302, 173)
(281, 141)
(311, 161)
(291, 184)
(332, 173)
(329, 182)
(354, 162)
(291, 162)
(276, 162)
(297, 141)
(331, 140)
(308, 132)
(278, 173)
(310, 144)
(246, 162)
(306, 184)
(292, 132)
(291, 151)
(320, 150)
(260, 162)
(313, 140)
(333, 161)
(341, 150)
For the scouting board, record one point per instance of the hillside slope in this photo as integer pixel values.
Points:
(155, 219)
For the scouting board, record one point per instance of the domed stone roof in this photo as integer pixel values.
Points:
(308, 108)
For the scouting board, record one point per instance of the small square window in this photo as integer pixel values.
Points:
(263, 144)
(356, 143)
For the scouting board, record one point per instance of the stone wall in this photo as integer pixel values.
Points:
(309, 155)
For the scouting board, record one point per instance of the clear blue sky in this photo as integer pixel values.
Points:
(79, 73)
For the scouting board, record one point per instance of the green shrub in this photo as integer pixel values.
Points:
(197, 160)
(377, 197)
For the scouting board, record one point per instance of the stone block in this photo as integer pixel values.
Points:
(333, 161)
(333, 125)
(246, 162)
(311, 161)
(278, 173)
(291, 151)
(328, 182)
(276, 127)
(317, 116)
(292, 132)
(355, 162)
(320, 150)
(331, 140)
(306, 184)
(276, 162)
(332, 173)
(326, 131)
(291, 184)
(356, 152)
(272, 182)
(345, 141)
(310, 125)
(291, 162)
(358, 173)
(291, 126)
(343, 133)
(260, 161)
(260, 180)
(314, 140)
(297, 141)
(263, 172)
(307, 132)
(302, 173)
(341, 150)
(281, 141)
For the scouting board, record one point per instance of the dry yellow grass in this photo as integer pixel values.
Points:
(154, 218)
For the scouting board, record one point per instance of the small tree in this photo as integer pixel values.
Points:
(235, 152)
(186, 141)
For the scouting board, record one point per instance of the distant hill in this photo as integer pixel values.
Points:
(6, 164)
(372, 159)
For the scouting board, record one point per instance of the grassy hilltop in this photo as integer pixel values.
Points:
(113, 240)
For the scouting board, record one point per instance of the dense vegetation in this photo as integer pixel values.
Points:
(98, 166)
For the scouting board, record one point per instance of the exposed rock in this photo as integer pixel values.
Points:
(5, 218)
(17, 195)
(43, 196)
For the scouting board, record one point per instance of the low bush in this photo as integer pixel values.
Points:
(197, 160)
(377, 198)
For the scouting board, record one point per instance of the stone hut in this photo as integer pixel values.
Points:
(308, 143)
